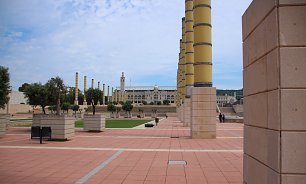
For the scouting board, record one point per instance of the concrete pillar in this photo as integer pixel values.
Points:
(92, 83)
(76, 100)
(203, 96)
(85, 83)
(274, 45)
(189, 60)
(103, 95)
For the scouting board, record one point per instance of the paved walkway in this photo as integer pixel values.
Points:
(125, 156)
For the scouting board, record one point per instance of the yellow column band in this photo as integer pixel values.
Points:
(202, 43)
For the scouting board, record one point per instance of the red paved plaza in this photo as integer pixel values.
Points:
(125, 156)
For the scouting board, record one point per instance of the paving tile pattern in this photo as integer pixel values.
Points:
(144, 159)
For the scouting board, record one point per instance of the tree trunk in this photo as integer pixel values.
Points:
(58, 108)
(43, 108)
(93, 108)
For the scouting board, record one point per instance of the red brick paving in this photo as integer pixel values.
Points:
(144, 160)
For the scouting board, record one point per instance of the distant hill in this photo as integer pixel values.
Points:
(230, 92)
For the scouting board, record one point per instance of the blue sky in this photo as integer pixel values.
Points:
(102, 38)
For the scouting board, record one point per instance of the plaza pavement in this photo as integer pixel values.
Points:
(125, 156)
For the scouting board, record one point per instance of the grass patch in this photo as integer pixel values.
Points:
(117, 123)
(79, 124)
(109, 123)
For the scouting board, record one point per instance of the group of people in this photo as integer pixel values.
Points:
(221, 118)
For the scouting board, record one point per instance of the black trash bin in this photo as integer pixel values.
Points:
(156, 120)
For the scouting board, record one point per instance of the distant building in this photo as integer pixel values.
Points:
(17, 97)
(148, 94)
(226, 99)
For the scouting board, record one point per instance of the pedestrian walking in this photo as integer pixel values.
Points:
(223, 118)
(220, 117)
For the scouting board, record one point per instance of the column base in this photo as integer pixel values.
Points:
(203, 113)
(187, 112)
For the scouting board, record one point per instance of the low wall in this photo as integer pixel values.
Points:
(17, 108)
(4, 120)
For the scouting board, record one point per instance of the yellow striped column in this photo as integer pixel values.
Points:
(92, 83)
(189, 60)
(85, 85)
(112, 98)
(76, 101)
(202, 43)
(107, 94)
(189, 53)
(203, 97)
(183, 60)
(99, 89)
(103, 95)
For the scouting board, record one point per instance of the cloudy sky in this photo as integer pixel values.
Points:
(102, 38)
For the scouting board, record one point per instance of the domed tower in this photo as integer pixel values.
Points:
(122, 87)
(122, 83)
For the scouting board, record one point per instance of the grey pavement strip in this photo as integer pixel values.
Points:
(124, 149)
(97, 169)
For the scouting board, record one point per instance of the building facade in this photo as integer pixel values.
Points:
(226, 99)
(144, 94)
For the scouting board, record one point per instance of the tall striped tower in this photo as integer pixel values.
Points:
(189, 60)
(107, 94)
(85, 83)
(112, 98)
(183, 60)
(203, 97)
(103, 94)
(76, 101)
(202, 43)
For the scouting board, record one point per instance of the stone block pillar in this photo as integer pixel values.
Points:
(187, 112)
(274, 44)
(203, 109)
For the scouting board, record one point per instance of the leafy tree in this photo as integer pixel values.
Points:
(111, 108)
(166, 102)
(93, 96)
(56, 89)
(65, 106)
(127, 106)
(151, 103)
(5, 88)
(75, 108)
(144, 102)
(159, 103)
(37, 94)
(23, 87)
